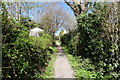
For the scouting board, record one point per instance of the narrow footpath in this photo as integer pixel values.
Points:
(62, 67)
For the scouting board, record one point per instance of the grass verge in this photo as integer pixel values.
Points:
(49, 70)
(83, 69)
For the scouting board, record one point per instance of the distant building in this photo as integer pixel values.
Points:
(59, 30)
(65, 32)
(35, 32)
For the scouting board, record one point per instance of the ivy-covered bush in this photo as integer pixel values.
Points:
(23, 56)
(88, 42)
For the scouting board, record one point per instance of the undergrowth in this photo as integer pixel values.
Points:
(49, 72)
(83, 69)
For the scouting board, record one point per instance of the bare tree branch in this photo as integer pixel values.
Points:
(77, 8)
(71, 6)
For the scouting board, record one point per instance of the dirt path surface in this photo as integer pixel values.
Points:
(62, 67)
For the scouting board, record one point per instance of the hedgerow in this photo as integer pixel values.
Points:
(23, 56)
(88, 42)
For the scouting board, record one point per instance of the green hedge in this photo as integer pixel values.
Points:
(23, 56)
(89, 42)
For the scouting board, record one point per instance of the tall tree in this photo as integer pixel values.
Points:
(55, 17)
(78, 7)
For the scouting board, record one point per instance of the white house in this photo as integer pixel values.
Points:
(59, 30)
(65, 32)
(35, 32)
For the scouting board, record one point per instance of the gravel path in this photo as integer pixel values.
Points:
(62, 67)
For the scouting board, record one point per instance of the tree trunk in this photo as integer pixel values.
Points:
(77, 7)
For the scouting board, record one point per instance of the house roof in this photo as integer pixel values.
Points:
(35, 32)
(37, 29)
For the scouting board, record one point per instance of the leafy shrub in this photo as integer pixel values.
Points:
(23, 56)
(82, 68)
(89, 43)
